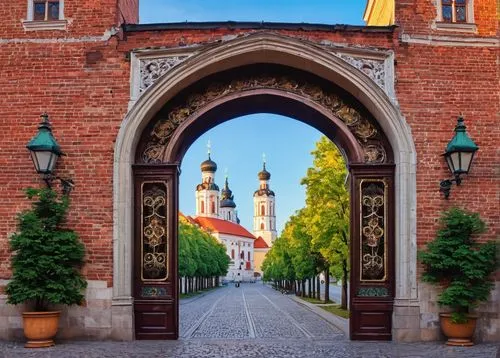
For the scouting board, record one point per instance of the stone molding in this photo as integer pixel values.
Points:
(280, 50)
(148, 66)
(455, 41)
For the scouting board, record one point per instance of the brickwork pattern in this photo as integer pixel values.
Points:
(81, 78)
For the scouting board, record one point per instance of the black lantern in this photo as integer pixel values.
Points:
(459, 155)
(45, 151)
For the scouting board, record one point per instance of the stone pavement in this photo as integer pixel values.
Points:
(250, 321)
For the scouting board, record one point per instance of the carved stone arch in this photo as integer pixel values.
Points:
(283, 51)
(355, 130)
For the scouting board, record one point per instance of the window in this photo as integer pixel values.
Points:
(213, 206)
(45, 10)
(248, 255)
(262, 210)
(202, 208)
(262, 226)
(454, 10)
(232, 253)
(455, 15)
(229, 216)
(45, 15)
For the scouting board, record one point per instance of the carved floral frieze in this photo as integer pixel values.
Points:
(375, 69)
(152, 69)
(362, 128)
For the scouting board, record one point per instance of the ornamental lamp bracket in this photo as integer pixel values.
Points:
(45, 151)
(459, 154)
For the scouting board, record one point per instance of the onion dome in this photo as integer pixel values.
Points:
(227, 198)
(264, 174)
(208, 165)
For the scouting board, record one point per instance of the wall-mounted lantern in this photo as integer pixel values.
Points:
(459, 155)
(45, 151)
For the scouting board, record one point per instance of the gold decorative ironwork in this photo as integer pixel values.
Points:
(363, 129)
(154, 245)
(373, 255)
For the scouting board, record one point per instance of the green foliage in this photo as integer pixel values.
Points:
(317, 236)
(460, 264)
(200, 254)
(46, 257)
(327, 207)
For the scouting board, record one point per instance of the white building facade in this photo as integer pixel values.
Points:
(264, 219)
(217, 214)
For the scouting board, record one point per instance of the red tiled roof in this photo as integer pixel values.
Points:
(223, 227)
(260, 243)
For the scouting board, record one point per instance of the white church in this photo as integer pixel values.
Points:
(216, 213)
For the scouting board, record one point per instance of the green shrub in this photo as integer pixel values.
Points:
(458, 263)
(46, 257)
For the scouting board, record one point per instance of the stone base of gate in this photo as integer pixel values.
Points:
(406, 321)
(122, 311)
(93, 320)
(488, 324)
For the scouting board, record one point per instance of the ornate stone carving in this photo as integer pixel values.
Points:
(363, 129)
(374, 69)
(374, 153)
(151, 70)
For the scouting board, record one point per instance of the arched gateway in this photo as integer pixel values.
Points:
(261, 73)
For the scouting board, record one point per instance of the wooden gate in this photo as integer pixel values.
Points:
(372, 251)
(156, 302)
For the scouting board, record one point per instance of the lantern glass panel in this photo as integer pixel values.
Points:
(466, 161)
(455, 159)
(44, 161)
(449, 163)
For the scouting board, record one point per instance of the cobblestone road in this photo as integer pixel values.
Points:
(250, 321)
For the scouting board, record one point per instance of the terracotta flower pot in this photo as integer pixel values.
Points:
(459, 334)
(40, 328)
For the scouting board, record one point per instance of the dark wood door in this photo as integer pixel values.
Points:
(155, 252)
(372, 245)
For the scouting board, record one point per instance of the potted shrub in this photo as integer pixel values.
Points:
(46, 263)
(462, 267)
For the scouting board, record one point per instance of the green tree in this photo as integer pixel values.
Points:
(47, 256)
(201, 256)
(327, 210)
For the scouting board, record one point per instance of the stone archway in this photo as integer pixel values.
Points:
(259, 48)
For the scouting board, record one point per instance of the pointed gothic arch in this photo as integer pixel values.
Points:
(281, 51)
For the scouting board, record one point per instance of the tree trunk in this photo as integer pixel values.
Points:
(318, 284)
(345, 277)
(327, 285)
(303, 294)
(313, 291)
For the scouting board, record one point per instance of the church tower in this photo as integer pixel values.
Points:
(207, 193)
(227, 205)
(264, 218)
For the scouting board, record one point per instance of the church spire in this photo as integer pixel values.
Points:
(264, 210)
(227, 205)
(207, 192)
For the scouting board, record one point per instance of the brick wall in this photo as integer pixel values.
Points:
(83, 83)
(417, 16)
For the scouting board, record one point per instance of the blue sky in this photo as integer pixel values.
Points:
(312, 11)
(239, 143)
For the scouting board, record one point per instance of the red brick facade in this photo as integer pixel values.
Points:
(81, 77)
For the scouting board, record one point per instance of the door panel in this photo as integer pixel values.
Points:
(155, 252)
(372, 257)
